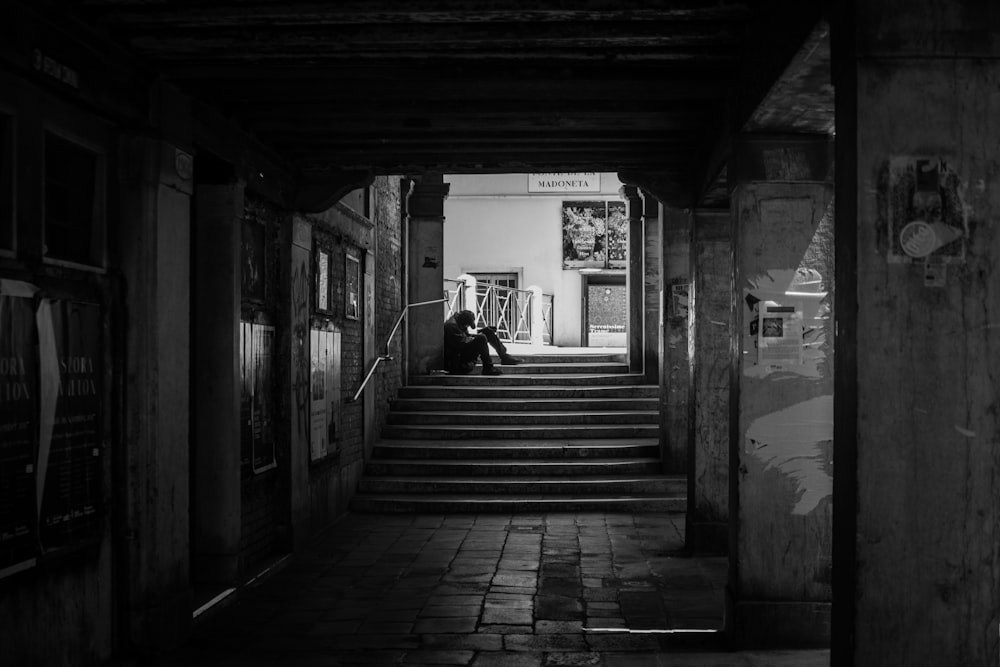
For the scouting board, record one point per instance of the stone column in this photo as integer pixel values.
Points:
(710, 346)
(635, 279)
(781, 393)
(216, 447)
(425, 246)
(296, 256)
(155, 245)
(675, 384)
(652, 286)
(921, 435)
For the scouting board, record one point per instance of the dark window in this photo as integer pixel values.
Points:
(6, 182)
(73, 228)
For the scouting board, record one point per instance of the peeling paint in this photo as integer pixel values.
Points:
(790, 440)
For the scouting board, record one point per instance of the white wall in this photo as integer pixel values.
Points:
(492, 225)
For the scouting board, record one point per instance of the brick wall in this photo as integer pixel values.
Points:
(389, 285)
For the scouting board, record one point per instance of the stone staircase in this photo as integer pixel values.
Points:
(559, 432)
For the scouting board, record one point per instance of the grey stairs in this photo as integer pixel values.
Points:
(555, 433)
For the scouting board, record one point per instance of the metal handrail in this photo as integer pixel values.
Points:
(388, 357)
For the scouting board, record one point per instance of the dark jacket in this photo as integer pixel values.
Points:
(456, 338)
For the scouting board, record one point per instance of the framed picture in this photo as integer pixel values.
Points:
(322, 280)
(352, 295)
(252, 260)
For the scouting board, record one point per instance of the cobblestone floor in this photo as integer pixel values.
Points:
(486, 591)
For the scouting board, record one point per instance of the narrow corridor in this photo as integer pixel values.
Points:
(526, 590)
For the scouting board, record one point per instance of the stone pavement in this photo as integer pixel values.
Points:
(484, 590)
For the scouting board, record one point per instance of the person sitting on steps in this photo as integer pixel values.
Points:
(461, 349)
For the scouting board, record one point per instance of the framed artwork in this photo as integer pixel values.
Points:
(322, 280)
(595, 235)
(252, 260)
(352, 293)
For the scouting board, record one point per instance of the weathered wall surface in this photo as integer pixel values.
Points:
(675, 384)
(928, 543)
(781, 446)
(652, 286)
(709, 353)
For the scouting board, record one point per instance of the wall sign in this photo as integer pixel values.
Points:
(926, 212)
(564, 182)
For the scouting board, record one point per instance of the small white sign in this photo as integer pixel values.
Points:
(583, 182)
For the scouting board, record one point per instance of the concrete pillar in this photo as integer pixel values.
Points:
(469, 300)
(635, 280)
(675, 383)
(921, 581)
(537, 317)
(710, 353)
(425, 246)
(155, 260)
(296, 250)
(216, 445)
(781, 394)
(652, 286)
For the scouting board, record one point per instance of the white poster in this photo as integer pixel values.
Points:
(779, 334)
(324, 392)
(318, 443)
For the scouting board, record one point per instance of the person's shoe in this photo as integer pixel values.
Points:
(491, 370)
(508, 360)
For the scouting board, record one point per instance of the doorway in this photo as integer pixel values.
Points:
(605, 310)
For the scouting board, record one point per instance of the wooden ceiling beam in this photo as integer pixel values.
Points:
(165, 12)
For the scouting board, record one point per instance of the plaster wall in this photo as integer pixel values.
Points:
(781, 472)
(928, 542)
(493, 226)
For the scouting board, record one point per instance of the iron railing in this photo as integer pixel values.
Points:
(511, 311)
(388, 341)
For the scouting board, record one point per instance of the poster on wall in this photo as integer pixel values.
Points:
(257, 395)
(252, 260)
(352, 305)
(18, 407)
(322, 281)
(324, 392)
(617, 235)
(70, 443)
(594, 235)
(779, 335)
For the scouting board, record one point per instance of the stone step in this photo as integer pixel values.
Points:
(506, 468)
(519, 432)
(485, 503)
(519, 420)
(530, 368)
(511, 404)
(476, 379)
(517, 449)
(612, 485)
(580, 358)
(523, 393)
